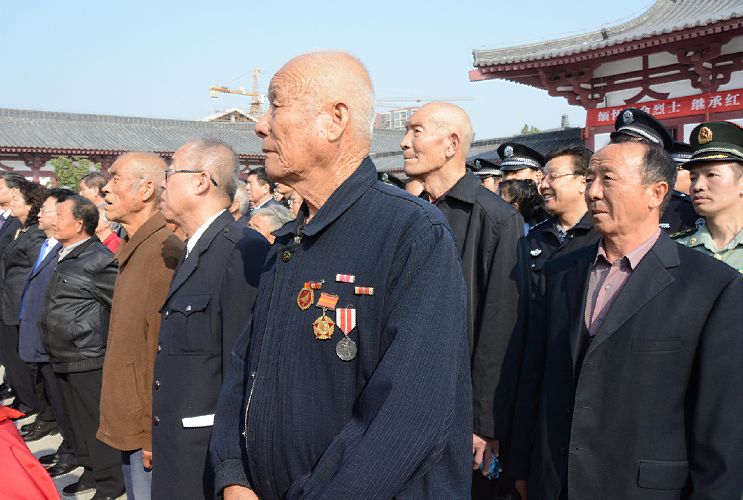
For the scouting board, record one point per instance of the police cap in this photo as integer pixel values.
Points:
(518, 157)
(486, 168)
(637, 123)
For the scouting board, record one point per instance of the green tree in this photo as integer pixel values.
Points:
(529, 130)
(70, 170)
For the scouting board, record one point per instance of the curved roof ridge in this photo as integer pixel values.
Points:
(664, 16)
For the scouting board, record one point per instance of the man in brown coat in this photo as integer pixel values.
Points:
(147, 259)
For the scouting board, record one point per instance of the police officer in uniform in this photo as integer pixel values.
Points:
(520, 162)
(489, 174)
(716, 173)
(635, 124)
(563, 188)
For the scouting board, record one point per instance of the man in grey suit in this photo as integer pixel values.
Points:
(632, 382)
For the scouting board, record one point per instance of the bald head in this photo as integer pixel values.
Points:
(449, 118)
(133, 194)
(436, 144)
(329, 77)
(143, 167)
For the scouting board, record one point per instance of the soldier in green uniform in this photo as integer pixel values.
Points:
(716, 172)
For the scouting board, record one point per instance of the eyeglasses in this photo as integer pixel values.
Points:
(50, 212)
(170, 171)
(552, 177)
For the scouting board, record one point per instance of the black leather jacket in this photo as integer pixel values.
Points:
(74, 318)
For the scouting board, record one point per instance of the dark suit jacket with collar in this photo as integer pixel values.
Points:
(656, 410)
(18, 260)
(490, 240)
(206, 308)
(30, 346)
(7, 234)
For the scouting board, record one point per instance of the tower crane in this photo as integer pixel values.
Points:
(256, 110)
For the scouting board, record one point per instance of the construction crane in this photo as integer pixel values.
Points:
(391, 102)
(256, 110)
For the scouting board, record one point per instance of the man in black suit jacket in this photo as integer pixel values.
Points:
(490, 240)
(632, 382)
(207, 306)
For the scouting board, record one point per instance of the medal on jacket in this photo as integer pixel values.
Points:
(323, 326)
(306, 295)
(346, 319)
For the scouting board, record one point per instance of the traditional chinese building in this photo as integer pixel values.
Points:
(231, 115)
(681, 61)
(29, 139)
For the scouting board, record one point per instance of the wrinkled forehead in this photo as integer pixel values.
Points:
(294, 80)
(618, 157)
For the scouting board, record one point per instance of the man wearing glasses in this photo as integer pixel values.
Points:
(207, 306)
(563, 188)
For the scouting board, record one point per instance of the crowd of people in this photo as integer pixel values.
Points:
(517, 328)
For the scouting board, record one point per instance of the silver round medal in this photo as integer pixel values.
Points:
(346, 349)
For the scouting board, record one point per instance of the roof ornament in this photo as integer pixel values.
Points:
(508, 151)
(627, 117)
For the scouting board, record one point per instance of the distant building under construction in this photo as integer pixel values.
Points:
(395, 119)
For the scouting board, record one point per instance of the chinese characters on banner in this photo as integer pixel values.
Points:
(684, 106)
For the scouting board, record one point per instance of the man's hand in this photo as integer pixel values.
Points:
(521, 487)
(235, 492)
(147, 459)
(481, 449)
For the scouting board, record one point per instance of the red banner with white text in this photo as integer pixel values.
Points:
(670, 108)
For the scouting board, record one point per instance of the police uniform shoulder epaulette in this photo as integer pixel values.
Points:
(683, 196)
(684, 234)
(540, 223)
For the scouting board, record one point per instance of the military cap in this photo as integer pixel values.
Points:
(716, 141)
(486, 168)
(680, 152)
(518, 157)
(390, 179)
(637, 123)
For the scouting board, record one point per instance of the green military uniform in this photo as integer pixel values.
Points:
(700, 239)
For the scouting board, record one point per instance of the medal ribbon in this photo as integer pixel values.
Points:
(345, 319)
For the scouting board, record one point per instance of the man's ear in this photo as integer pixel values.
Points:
(148, 190)
(658, 191)
(235, 206)
(454, 145)
(202, 183)
(339, 121)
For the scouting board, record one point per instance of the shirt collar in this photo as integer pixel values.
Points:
(341, 200)
(635, 256)
(262, 204)
(195, 238)
(464, 190)
(702, 237)
(64, 251)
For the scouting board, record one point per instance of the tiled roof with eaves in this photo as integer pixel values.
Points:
(55, 131)
(663, 17)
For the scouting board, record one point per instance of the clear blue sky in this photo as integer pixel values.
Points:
(158, 58)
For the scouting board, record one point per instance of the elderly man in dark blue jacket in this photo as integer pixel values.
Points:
(352, 379)
(74, 328)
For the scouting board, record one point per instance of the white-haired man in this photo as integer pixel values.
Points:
(356, 383)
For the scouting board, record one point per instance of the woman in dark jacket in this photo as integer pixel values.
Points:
(18, 260)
